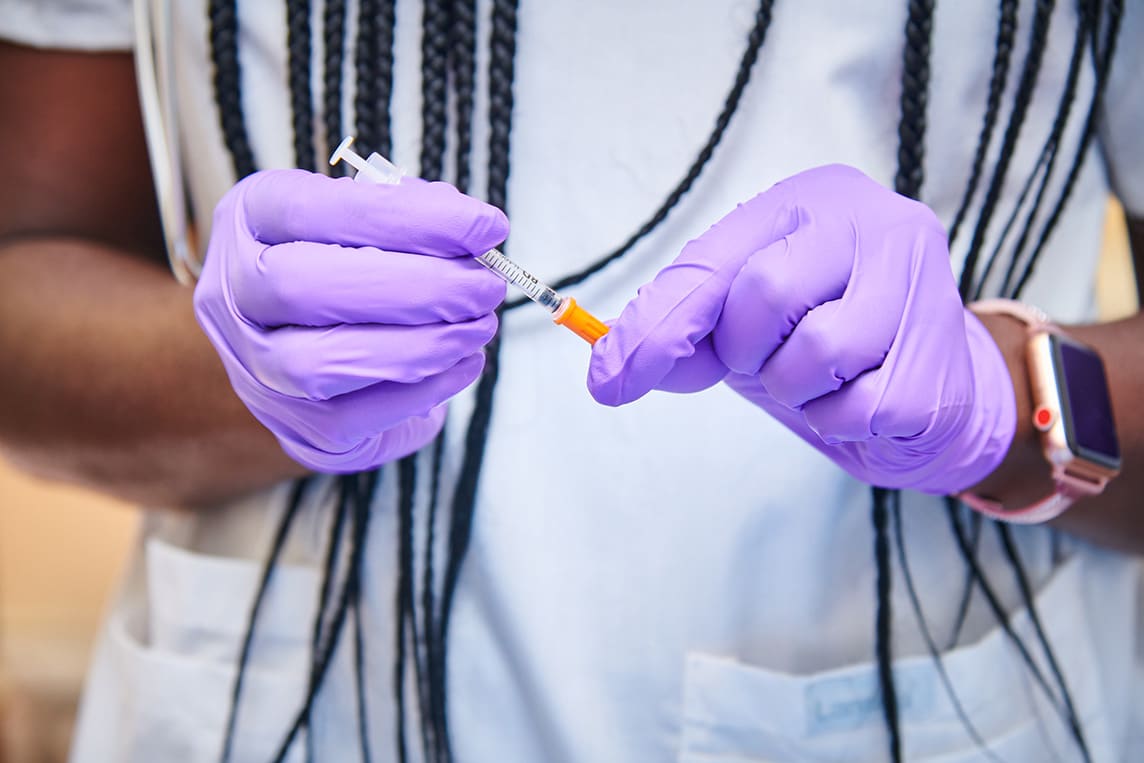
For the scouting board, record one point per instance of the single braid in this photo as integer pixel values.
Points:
(464, 65)
(883, 620)
(227, 83)
(373, 73)
(429, 730)
(298, 63)
(383, 73)
(435, 20)
(1002, 54)
(329, 573)
(334, 31)
(755, 39)
(967, 587)
(366, 54)
(1031, 69)
(406, 484)
(914, 99)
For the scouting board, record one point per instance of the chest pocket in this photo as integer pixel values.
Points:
(735, 713)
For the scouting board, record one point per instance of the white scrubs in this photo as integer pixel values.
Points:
(696, 584)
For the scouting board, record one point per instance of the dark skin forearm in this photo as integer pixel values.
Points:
(106, 380)
(110, 383)
(1114, 519)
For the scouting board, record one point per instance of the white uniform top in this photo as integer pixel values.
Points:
(679, 579)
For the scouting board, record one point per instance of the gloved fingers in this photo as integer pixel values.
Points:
(425, 218)
(846, 415)
(888, 402)
(694, 373)
(337, 425)
(833, 344)
(681, 305)
(323, 363)
(406, 437)
(649, 338)
(775, 289)
(306, 284)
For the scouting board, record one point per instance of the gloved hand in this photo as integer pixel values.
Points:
(347, 313)
(829, 302)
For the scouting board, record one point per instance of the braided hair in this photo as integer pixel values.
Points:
(448, 76)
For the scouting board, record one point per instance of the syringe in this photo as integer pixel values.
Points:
(564, 310)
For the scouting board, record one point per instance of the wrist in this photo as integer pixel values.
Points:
(1022, 476)
(994, 422)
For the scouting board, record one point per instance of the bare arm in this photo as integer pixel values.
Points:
(1116, 518)
(107, 380)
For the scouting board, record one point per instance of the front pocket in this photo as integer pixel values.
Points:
(160, 687)
(736, 713)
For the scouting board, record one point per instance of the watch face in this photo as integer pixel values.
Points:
(1086, 407)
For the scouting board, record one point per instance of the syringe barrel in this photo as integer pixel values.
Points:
(521, 278)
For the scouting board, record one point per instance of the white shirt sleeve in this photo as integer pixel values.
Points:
(95, 25)
(1122, 126)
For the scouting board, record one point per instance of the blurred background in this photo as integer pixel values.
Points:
(63, 549)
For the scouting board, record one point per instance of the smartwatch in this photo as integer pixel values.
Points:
(1072, 411)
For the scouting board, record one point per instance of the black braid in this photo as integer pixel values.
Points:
(463, 58)
(908, 182)
(329, 573)
(501, 76)
(360, 516)
(435, 21)
(373, 71)
(298, 63)
(435, 54)
(883, 619)
(383, 73)
(334, 31)
(429, 731)
(1003, 52)
(1002, 617)
(279, 542)
(755, 39)
(914, 98)
(407, 480)
(366, 81)
(359, 666)
(967, 588)
(1029, 74)
(227, 82)
(1049, 153)
(1115, 14)
(923, 626)
(1010, 549)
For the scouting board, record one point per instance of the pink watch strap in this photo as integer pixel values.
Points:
(1048, 508)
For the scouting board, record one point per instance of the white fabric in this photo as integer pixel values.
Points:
(678, 579)
(1123, 115)
(72, 24)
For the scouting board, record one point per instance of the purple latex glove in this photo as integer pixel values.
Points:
(347, 313)
(829, 302)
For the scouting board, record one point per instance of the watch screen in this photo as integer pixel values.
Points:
(1087, 408)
